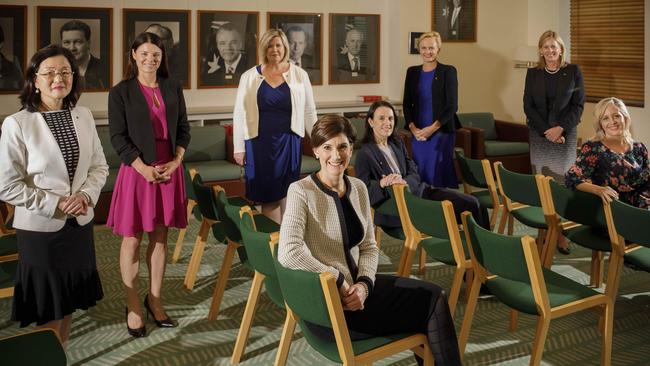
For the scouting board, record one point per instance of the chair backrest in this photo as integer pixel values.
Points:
(483, 120)
(517, 187)
(630, 222)
(427, 216)
(228, 214)
(471, 171)
(208, 143)
(577, 206)
(39, 347)
(187, 176)
(204, 198)
(359, 125)
(388, 207)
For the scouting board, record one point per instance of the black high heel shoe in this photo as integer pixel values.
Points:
(165, 323)
(137, 332)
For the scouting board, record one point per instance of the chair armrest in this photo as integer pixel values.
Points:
(477, 142)
(510, 131)
(230, 147)
(464, 141)
(307, 149)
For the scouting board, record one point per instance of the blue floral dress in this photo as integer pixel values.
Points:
(627, 173)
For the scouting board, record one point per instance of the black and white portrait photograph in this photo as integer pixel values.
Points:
(455, 20)
(304, 33)
(86, 32)
(13, 34)
(354, 48)
(227, 47)
(172, 26)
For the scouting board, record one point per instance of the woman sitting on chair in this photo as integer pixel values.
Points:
(383, 161)
(611, 164)
(327, 227)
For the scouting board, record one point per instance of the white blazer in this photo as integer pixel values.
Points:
(33, 175)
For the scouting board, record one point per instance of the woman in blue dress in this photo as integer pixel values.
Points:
(274, 107)
(430, 105)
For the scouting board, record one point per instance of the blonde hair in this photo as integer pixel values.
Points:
(549, 34)
(599, 111)
(433, 34)
(266, 39)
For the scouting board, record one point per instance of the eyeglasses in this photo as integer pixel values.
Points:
(51, 73)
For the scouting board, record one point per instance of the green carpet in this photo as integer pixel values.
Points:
(99, 336)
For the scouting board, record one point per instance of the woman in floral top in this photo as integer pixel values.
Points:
(612, 165)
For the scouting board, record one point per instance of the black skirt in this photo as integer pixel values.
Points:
(56, 274)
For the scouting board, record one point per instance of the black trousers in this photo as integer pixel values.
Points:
(400, 305)
(461, 201)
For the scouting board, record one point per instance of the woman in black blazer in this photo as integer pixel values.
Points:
(554, 98)
(430, 103)
(149, 131)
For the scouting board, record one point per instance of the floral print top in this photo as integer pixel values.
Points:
(627, 173)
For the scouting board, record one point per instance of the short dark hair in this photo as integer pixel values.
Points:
(329, 126)
(142, 38)
(75, 25)
(31, 100)
(370, 134)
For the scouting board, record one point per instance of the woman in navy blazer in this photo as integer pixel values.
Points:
(149, 130)
(430, 103)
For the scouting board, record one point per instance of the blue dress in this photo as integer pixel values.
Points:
(273, 157)
(435, 156)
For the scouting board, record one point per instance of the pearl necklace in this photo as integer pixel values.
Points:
(551, 72)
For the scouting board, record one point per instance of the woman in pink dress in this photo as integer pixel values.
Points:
(149, 130)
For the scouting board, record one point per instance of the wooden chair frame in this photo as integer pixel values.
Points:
(181, 233)
(604, 303)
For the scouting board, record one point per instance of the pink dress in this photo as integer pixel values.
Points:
(139, 206)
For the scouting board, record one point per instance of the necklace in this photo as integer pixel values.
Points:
(551, 72)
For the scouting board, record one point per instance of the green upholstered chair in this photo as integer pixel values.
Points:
(624, 223)
(478, 174)
(314, 298)
(511, 269)
(38, 347)
(229, 214)
(388, 207)
(188, 174)
(210, 219)
(432, 225)
(498, 141)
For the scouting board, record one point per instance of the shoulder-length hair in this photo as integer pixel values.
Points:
(370, 134)
(29, 98)
(329, 126)
(267, 37)
(549, 34)
(599, 111)
(142, 38)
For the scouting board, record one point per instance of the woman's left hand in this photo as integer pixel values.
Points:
(354, 297)
(167, 169)
(553, 134)
(75, 205)
(426, 132)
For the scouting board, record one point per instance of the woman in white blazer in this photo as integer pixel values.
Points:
(52, 170)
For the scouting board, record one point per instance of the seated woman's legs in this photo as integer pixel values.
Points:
(462, 202)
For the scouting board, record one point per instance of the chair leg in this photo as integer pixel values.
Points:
(406, 260)
(378, 236)
(423, 262)
(597, 260)
(511, 224)
(493, 217)
(504, 218)
(181, 233)
(454, 293)
(540, 338)
(220, 287)
(285, 340)
(197, 254)
(514, 318)
(608, 330)
(469, 278)
(551, 245)
(247, 319)
(469, 315)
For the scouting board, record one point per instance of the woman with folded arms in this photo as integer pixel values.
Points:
(328, 228)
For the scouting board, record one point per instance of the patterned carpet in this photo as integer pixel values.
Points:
(99, 336)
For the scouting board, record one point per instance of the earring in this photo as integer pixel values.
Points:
(37, 91)
(317, 157)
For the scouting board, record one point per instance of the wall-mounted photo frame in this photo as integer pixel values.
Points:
(173, 26)
(354, 48)
(304, 32)
(13, 48)
(455, 20)
(227, 47)
(413, 42)
(87, 33)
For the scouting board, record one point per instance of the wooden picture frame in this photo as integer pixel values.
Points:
(227, 46)
(87, 33)
(13, 50)
(163, 22)
(455, 20)
(413, 42)
(354, 36)
(305, 34)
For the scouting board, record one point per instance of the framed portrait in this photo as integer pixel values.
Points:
(227, 47)
(87, 33)
(13, 51)
(304, 32)
(354, 48)
(413, 42)
(172, 26)
(455, 20)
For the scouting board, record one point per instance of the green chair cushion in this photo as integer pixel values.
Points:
(440, 250)
(216, 170)
(309, 165)
(112, 158)
(500, 148)
(640, 258)
(531, 216)
(110, 180)
(7, 273)
(484, 198)
(36, 348)
(8, 245)
(588, 238)
(519, 295)
(484, 121)
(394, 232)
(208, 143)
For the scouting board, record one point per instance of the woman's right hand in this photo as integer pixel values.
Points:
(606, 193)
(152, 174)
(390, 179)
(240, 158)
